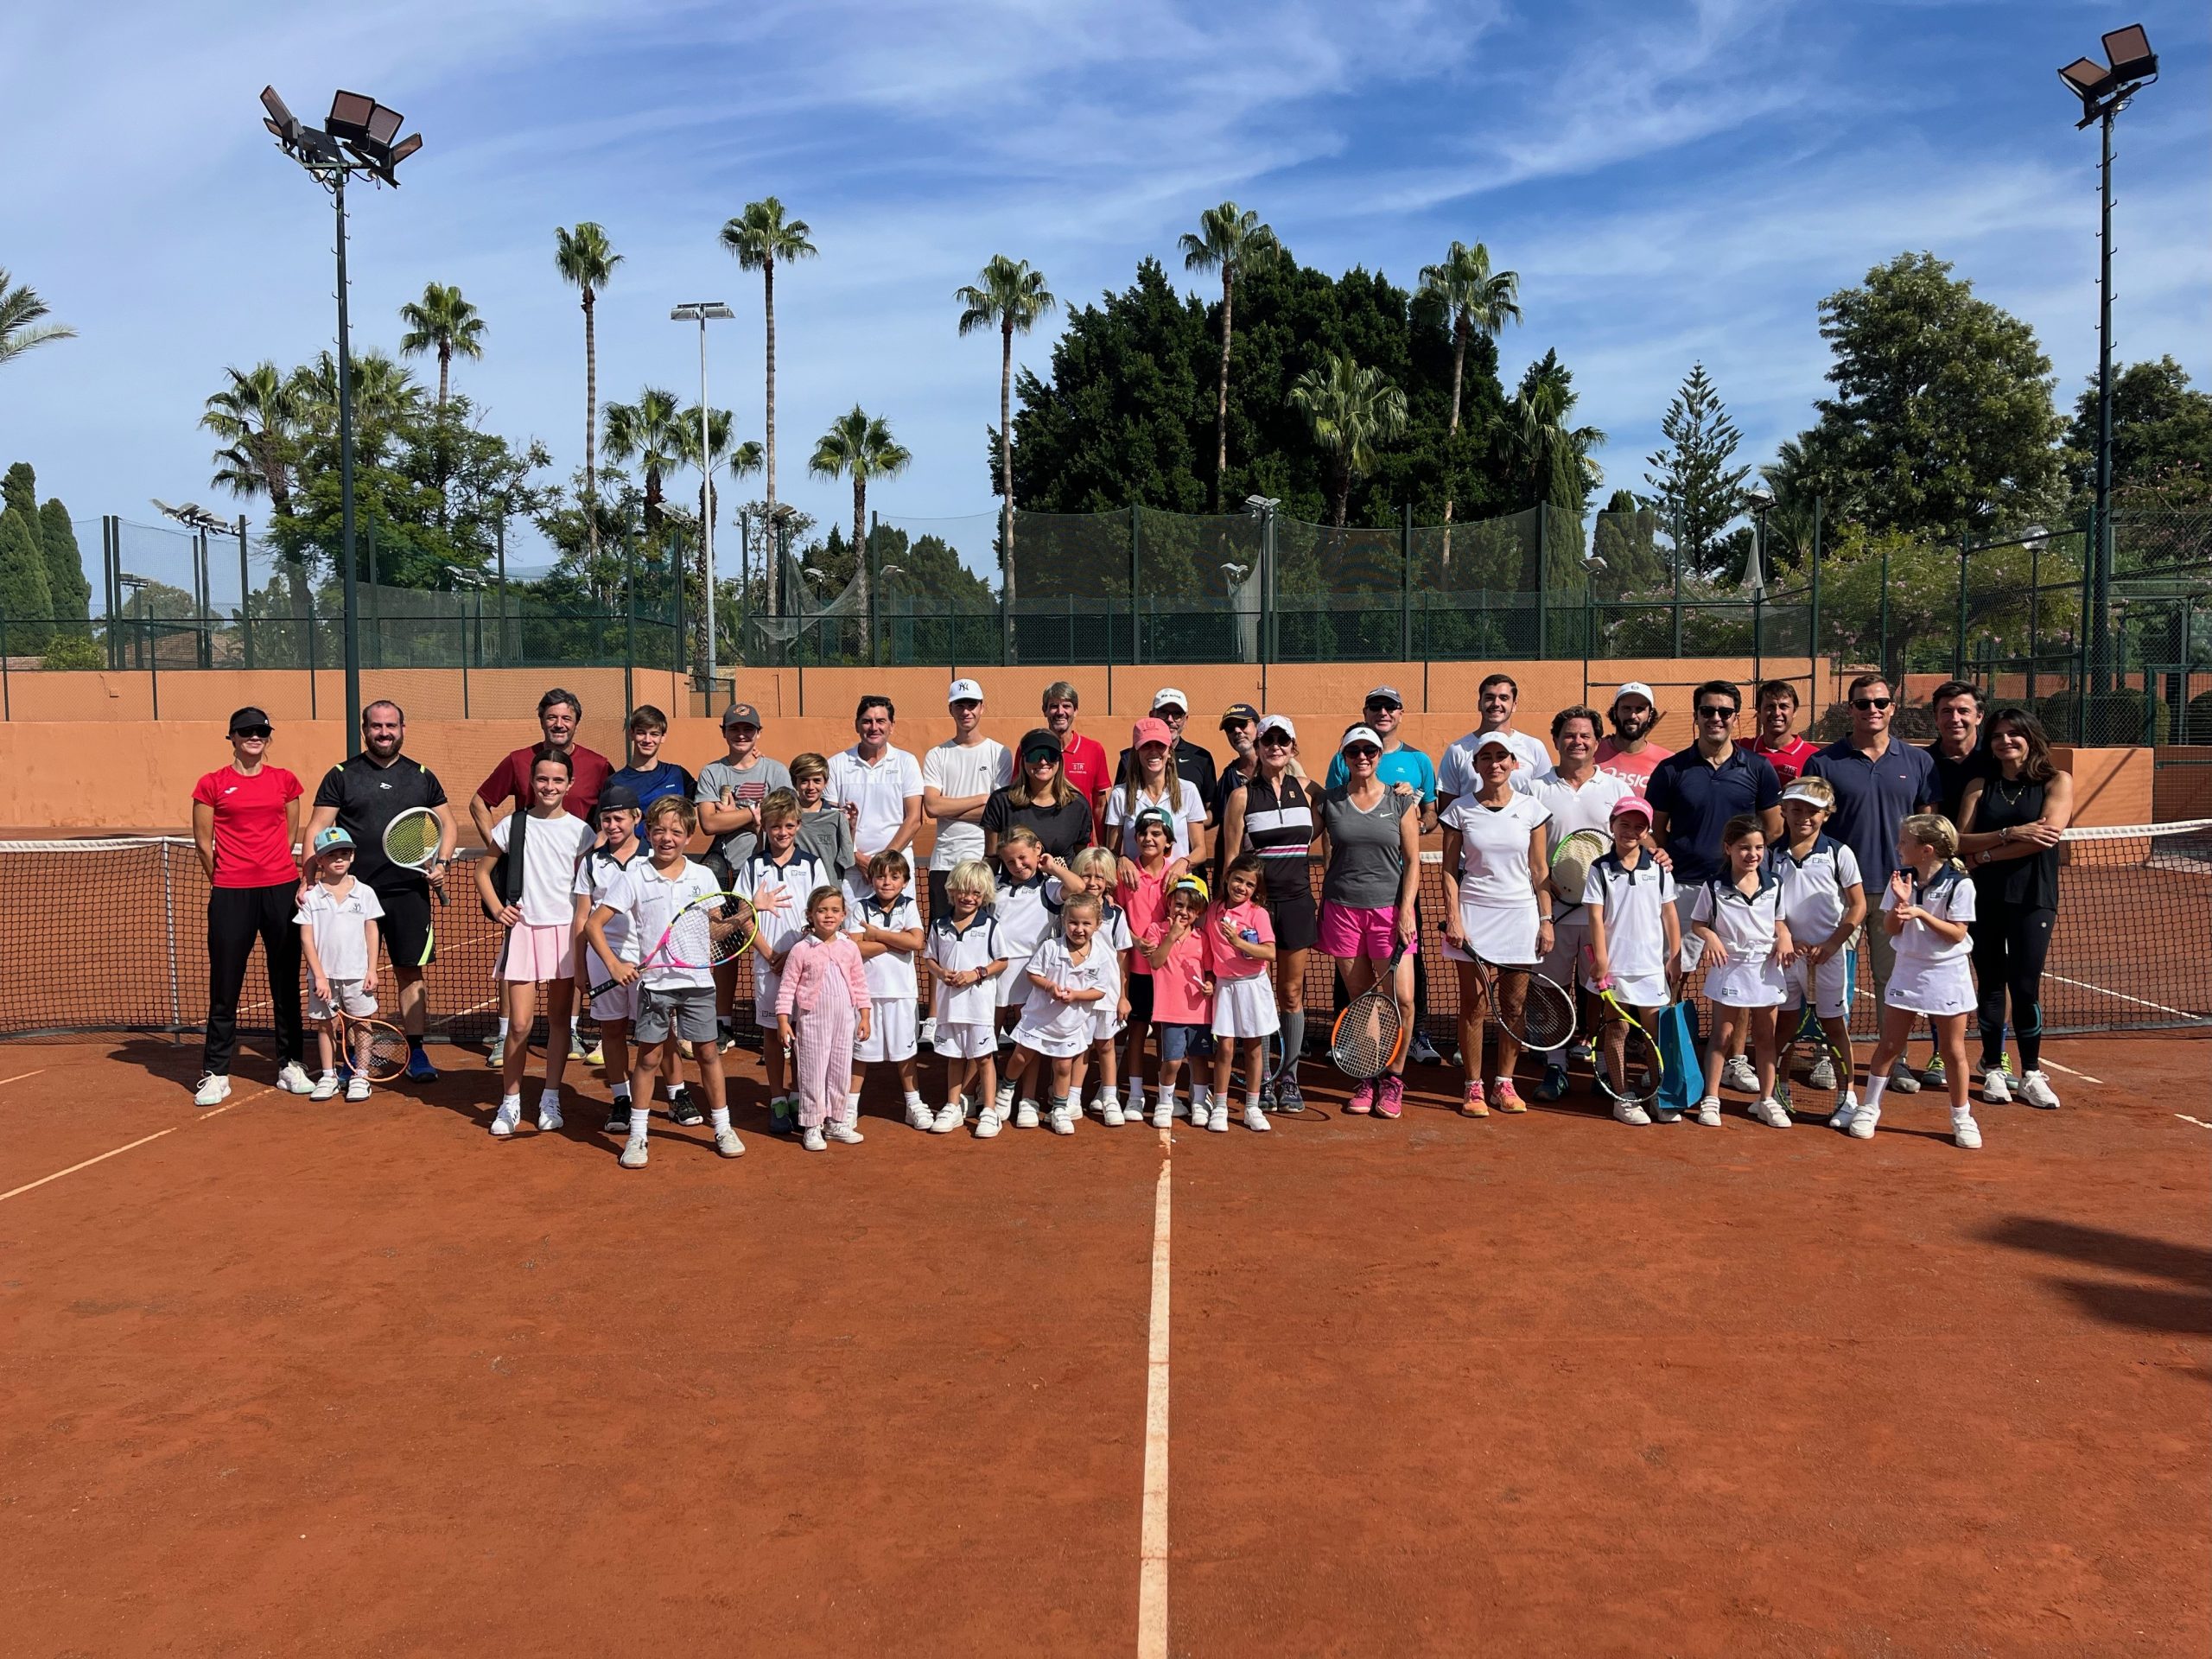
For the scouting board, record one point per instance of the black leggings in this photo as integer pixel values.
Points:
(2009, 946)
(235, 916)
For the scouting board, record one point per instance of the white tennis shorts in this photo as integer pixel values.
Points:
(1827, 987)
(965, 1042)
(344, 994)
(892, 1021)
(1011, 986)
(615, 1002)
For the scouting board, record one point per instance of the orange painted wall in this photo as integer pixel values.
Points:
(2183, 788)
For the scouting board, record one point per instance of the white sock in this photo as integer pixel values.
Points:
(503, 1027)
(1201, 1096)
(1251, 1097)
(1876, 1084)
(672, 1090)
(1166, 1095)
(852, 1106)
(638, 1122)
(621, 1091)
(719, 1118)
(511, 1105)
(913, 1098)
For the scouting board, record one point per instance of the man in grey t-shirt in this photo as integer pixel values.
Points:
(731, 789)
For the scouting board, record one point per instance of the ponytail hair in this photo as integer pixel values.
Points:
(1937, 832)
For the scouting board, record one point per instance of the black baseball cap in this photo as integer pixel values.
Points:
(249, 719)
(1043, 740)
(742, 714)
(616, 796)
(1239, 711)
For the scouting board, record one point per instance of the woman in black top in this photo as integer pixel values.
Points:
(1272, 815)
(1041, 797)
(2011, 822)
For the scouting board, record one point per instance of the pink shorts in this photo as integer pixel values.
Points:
(538, 953)
(1347, 930)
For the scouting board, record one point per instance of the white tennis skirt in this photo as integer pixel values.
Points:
(891, 1026)
(1054, 1045)
(1013, 986)
(1502, 935)
(1246, 1007)
(1931, 987)
(1738, 984)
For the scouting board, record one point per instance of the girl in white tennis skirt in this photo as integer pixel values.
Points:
(1737, 917)
(1070, 976)
(1241, 948)
(1926, 910)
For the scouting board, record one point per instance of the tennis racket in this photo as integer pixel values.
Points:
(1546, 1018)
(375, 1051)
(1571, 862)
(1369, 1036)
(1634, 1078)
(1811, 1031)
(411, 840)
(713, 929)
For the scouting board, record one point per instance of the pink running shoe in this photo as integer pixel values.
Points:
(1392, 1099)
(1363, 1100)
(1473, 1104)
(1506, 1097)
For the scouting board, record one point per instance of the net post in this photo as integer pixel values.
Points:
(1406, 585)
(2034, 595)
(7, 694)
(1883, 660)
(1543, 513)
(1813, 626)
(168, 919)
(308, 587)
(108, 587)
(629, 624)
(1136, 611)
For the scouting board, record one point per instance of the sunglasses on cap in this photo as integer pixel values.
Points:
(1870, 702)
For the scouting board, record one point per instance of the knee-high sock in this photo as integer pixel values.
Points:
(1293, 1042)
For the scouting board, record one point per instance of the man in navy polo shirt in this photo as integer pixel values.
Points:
(1694, 792)
(1878, 783)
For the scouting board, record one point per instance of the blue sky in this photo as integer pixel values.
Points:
(1672, 181)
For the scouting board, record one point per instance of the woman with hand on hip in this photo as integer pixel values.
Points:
(1272, 815)
(1370, 834)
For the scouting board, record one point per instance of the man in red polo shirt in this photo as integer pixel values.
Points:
(1778, 742)
(1083, 760)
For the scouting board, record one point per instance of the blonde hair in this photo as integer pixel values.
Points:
(1082, 901)
(972, 875)
(1821, 792)
(806, 767)
(673, 806)
(1022, 836)
(1088, 859)
(1936, 833)
(777, 806)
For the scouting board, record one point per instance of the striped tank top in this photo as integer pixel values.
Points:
(1278, 827)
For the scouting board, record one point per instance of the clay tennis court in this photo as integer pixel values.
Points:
(297, 1377)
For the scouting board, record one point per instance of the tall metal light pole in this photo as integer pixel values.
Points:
(2104, 89)
(703, 312)
(357, 136)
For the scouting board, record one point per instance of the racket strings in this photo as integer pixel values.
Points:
(411, 837)
(1633, 1069)
(1366, 1038)
(379, 1051)
(1545, 1018)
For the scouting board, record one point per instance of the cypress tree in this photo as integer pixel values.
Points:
(26, 605)
(19, 490)
(67, 585)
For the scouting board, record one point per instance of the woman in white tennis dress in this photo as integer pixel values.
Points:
(1498, 908)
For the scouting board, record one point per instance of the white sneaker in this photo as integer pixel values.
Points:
(2036, 1090)
(1163, 1116)
(925, 1035)
(596, 1055)
(1025, 1115)
(214, 1089)
(1965, 1132)
(1110, 1113)
(1708, 1112)
(1062, 1120)
(1256, 1121)
(325, 1087)
(727, 1144)
(1627, 1111)
(1772, 1113)
(814, 1141)
(1421, 1052)
(508, 1118)
(293, 1079)
(633, 1153)
(1185, 1107)
(1217, 1119)
(1002, 1101)
(1995, 1090)
(1737, 1075)
(919, 1116)
(357, 1088)
(986, 1123)
(845, 1134)
(1822, 1075)
(1903, 1080)
(949, 1117)
(549, 1115)
(1863, 1121)
(1847, 1106)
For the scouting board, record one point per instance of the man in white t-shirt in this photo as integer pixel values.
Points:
(880, 787)
(957, 778)
(1496, 698)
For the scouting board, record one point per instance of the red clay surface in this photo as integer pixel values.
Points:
(304, 1378)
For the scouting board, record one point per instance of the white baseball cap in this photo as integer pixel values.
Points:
(1277, 724)
(1360, 734)
(1636, 688)
(1167, 695)
(963, 691)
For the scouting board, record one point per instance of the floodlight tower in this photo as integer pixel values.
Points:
(703, 312)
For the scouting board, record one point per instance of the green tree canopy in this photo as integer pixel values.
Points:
(26, 604)
(1695, 488)
(2161, 436)
(66, 583)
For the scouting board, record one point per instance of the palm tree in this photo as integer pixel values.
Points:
(1232, 243)
(1552, 461)
(650, 432)
(759, 236)
(444, 322)
(1009, 296)
(19, 311)
(587, 259)
(257, 416)
(385, 393)
(861, 444)
(1352, 411)
(1480, 301)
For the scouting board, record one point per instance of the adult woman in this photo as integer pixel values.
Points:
(1041, 797)
(1152, 781)
(1498, 906)
(245, 821)
(1370, 834)
(2011, 824)
(1272, 815)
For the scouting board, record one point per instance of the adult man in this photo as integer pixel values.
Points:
(1957, 753)
(1776, 742)
(362, 796)
(957, 778)
(1240, 724)
(1194, 765)
(1400, 764)
(879, 787)
(730, 790)
(1630, 754)
(1878, 782)
(1694, 792)
(1496, 698)
(1083, 760)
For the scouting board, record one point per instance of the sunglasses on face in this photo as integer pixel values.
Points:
(1716, 711)
(261, 732)
(1237, 726)
(1041, 758)
(1273, 741)
(1870, 702)
(1362, 751)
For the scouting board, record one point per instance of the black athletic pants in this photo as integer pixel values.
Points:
(235, 916)
(2009, 947)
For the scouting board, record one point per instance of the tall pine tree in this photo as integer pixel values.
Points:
(1694, 488)
(67, 584)
(26, 606)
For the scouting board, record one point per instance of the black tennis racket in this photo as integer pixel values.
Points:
(411, 841)
(1369, 1036)
(713, 929)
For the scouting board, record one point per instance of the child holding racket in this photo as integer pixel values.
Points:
(1240, 948)
(540, 947)
(1824, 901)
(822, 1010)
(676, 1000)
(615, 1008)
(1737, 917)
(1093, 872)
(776, 881)
(337, 920)
(887, 925)
(1926, 911)
(1182, 997)
(1636, 937)
(1069, 976)
(965, 958)
(1144, 903)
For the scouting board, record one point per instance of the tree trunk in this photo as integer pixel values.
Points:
(445, 368)
(1221, 392)
(653, 498)
(1458, 367)
(860, 546)
(775, 564)
(1005, 455)
(591, 430)
(1340, 496)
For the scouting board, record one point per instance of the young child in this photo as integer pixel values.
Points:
(1636, 935)
(540, 948)
(1240, 948)
(825, 831)
(965, 958)
(1024, 911)
(1093, 871)
(822, 1011)
(1182, 997)
(1144, 902)
(337, 919)
(1824, 901)
(1069, 976)
(1926, 909)
(673, 1004)
(778, 879)
(1738, 916)
(616, 1007)
(887, 926)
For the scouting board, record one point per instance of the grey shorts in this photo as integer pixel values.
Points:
(690, 1009)
(344, 994)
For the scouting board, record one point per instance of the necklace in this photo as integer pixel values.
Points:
(2009, 797)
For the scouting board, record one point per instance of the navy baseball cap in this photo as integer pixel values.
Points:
(617, 796)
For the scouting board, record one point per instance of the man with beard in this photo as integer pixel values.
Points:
(1628, 754)
(363, 796)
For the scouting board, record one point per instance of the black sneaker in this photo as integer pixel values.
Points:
(618, 1118)
(683, 1110)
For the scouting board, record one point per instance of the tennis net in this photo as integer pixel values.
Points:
(110, 936)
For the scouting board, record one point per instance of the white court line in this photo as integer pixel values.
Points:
(2199, 1121)
(2122, 996)
(1152, 1582)
(20, 1076)
(143, 1141)
(2071, 1073)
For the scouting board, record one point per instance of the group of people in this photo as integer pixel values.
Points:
(1109, 926)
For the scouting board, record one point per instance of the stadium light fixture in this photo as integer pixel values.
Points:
(703, 312)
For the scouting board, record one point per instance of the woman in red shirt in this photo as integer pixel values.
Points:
(245, 821)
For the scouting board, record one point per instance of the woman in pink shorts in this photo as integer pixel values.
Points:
(1368, 835)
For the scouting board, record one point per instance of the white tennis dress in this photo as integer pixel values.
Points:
(1751, 978)
(1497, 905)
(1931, 975)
